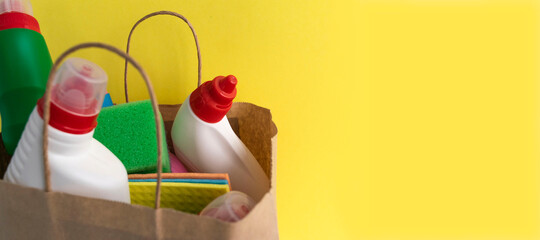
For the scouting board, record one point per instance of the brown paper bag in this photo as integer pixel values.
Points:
(27, 213)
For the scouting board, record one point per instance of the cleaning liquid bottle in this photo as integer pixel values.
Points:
(79, 164)
(205, 142)
(25, 63)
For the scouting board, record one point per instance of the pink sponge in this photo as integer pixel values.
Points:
(176, 165)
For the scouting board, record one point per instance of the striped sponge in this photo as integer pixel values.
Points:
(187, 192)
(129, 131)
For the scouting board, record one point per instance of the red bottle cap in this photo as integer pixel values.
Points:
(65, 121)
(213, 99)
(17, 14)
(18, 20)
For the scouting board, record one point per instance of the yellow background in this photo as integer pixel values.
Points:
(398, 119)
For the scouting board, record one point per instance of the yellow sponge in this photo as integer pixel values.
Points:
(183, 196)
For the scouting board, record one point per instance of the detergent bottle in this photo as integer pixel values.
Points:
(25, 63)
(205, 142)
(79, 164)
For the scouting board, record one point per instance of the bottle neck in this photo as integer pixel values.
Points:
(60, 142)
(10, 20)
(69, 144)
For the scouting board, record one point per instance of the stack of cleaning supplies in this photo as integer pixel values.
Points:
(187, 192)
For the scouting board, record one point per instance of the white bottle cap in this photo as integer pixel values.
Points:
(80, 87)
(23, 6)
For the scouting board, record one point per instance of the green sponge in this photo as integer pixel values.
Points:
(129, 131)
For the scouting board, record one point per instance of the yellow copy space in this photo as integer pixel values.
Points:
(409, 119)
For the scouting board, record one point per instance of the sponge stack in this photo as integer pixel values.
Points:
(187, 192)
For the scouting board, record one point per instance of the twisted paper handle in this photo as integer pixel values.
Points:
(155, 14)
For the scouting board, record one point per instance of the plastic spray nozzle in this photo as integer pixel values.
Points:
(23, 6)
(212, 100)
(223, 89)
(228, 83)
(80, 87)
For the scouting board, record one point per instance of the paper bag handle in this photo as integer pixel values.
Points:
(163, 13)
(47, 100)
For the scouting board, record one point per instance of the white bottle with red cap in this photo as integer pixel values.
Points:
(205, 142)
(79, 164)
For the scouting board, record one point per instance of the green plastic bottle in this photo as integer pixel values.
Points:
(25, 64)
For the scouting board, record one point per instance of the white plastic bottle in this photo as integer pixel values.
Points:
(79, 164)
(205, 142)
